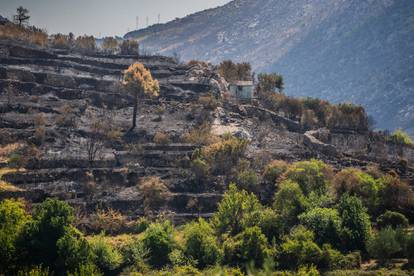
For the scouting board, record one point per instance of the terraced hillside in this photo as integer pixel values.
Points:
(52, 102)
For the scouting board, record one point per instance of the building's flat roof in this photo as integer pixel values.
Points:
(242, 83)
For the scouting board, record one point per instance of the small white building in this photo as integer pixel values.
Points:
(243, 90)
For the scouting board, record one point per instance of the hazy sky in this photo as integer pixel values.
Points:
(103, 17)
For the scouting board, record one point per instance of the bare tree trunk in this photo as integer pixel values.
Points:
(134, 116)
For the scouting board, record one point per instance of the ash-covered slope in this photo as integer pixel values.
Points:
(359, 51)
(57, 106)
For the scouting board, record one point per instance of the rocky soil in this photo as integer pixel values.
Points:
(53, 98)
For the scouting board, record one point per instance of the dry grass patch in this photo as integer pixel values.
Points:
(6, 186)
(6, 150)
(28, 34)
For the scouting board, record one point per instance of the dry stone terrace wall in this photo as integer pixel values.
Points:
(44, 81)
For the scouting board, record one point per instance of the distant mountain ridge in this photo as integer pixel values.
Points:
(340, 50)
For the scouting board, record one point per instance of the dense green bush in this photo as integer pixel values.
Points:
(386, 243)
(106, 256)
(299, 249)
(289, 203)
(333, 259)
(73, 251)
(358, 183)
(392, 219)
(312, 176)
(325, 223)
(13, 219)
(249, 246)
(159, 241)
(134, 254)
(236, 211)
(271, 224)
(200, 243)
(400, 137)
(51, 220)
(248, 180)
(355, 223)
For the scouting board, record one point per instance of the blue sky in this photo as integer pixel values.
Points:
(103, 17)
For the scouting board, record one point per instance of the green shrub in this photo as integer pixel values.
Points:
(106, 256)
(86, 270)
(355, 223)
(73, 250)
(358, 183)
(13, 219)
(200, 243)
(223, 155)
(35, 271)
(225, 271)
(158, 240)
(400, 137)
(392, 219)
(140, 225)
(274, 170)
(236, 211)
(409, 248)
(271, 224)
(289, 203)
(246, 247)
(325, 223)
(333, 259)
(185, 270)
(248, 180)
(308, 271)
(51, 220)
(312, 176)
(134, 254)
(178, 258)
(299, 249)
(381, 272)
(385, 244)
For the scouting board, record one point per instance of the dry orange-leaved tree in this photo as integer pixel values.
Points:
(139, 83)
